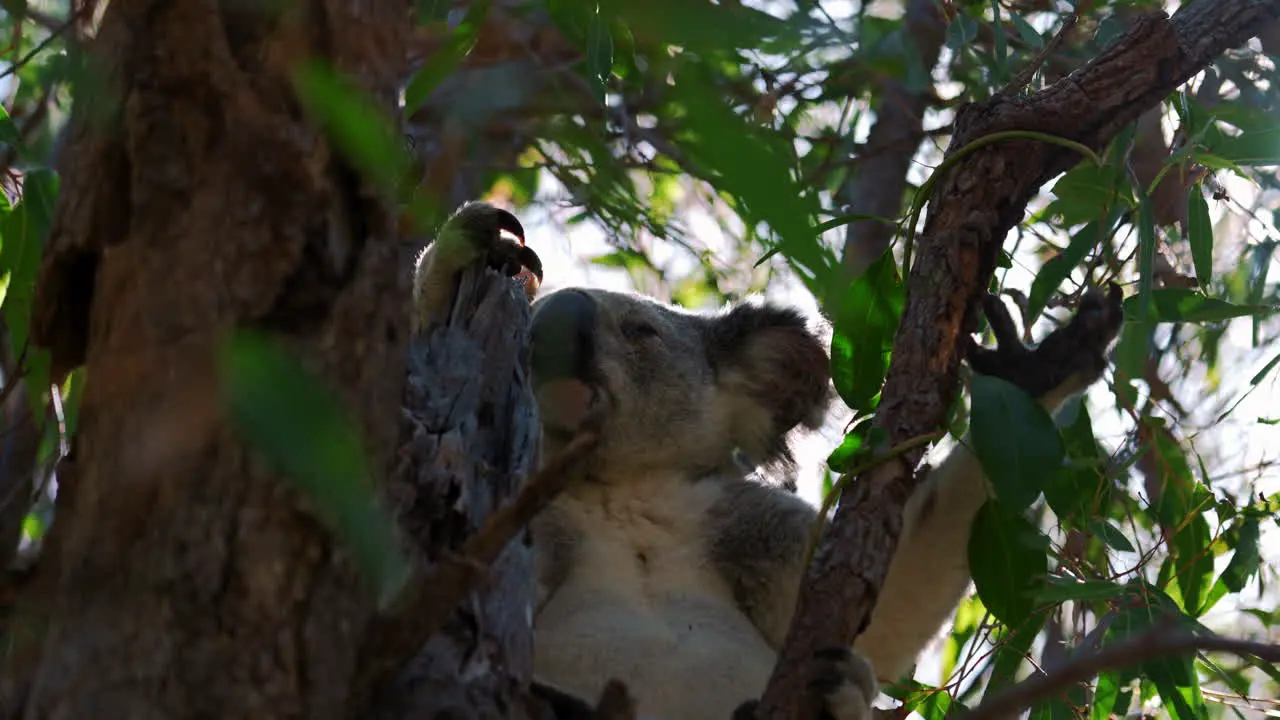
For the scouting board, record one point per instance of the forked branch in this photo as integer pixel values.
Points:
(975, 205)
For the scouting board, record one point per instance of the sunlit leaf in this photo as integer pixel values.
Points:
(932, 703)
(1245, 563)
(856, 445)
(1111, 696)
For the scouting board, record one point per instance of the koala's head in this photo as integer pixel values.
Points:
(674, 390)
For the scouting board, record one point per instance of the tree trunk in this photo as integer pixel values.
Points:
(183, 576)
(188, 579)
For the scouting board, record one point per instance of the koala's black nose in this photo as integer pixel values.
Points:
(563, 336)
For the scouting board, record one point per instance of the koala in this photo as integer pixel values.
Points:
(668, 565)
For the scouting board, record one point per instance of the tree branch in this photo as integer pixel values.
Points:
(429, 596)
(975, 206)
(1160, 642)
(879, 179)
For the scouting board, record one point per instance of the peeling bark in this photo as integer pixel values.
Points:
(972, 210)
(469, 433)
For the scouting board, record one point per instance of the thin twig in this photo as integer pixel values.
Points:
(18, 65)
(1023, 78)
(1160, 642)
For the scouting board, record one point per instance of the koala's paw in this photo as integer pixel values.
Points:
(473, 234)
(1067, 361)
(845, 681)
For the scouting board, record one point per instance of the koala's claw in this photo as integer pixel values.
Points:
(1074, 355)
(480, 226)
(473, 234)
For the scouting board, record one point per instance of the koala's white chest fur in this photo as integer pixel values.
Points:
(644, 604)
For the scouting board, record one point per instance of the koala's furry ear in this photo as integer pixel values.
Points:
(772, 373)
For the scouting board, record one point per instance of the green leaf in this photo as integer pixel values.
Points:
(9, 134)
(1257, 148)
(1188, 305)
(1213, 162)
(1057, 268)
(932, 703)
(1245, 563)
(1015, 440)
(1058, 589)
(1008, 562)
(855, 446)
(1111, 535)
(865, 322)
(961, 31)
(755, 168)
(1086, 193)
(1266, 370)
(1001, 44)
(1179, 508)
(1026, 32)
(24, 230)
(1111, 695)
(292, 418)
(1200, 236)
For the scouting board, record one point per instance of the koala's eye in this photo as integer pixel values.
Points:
(637, 330)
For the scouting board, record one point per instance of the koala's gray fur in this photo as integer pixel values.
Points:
(668, 567)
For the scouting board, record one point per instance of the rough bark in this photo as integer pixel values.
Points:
(974, 207)
(189, 578)
(469, 433)
(879, 179)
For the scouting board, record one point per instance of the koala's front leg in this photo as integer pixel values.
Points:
(930, 569)
(1066, 362)
(471, 235)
